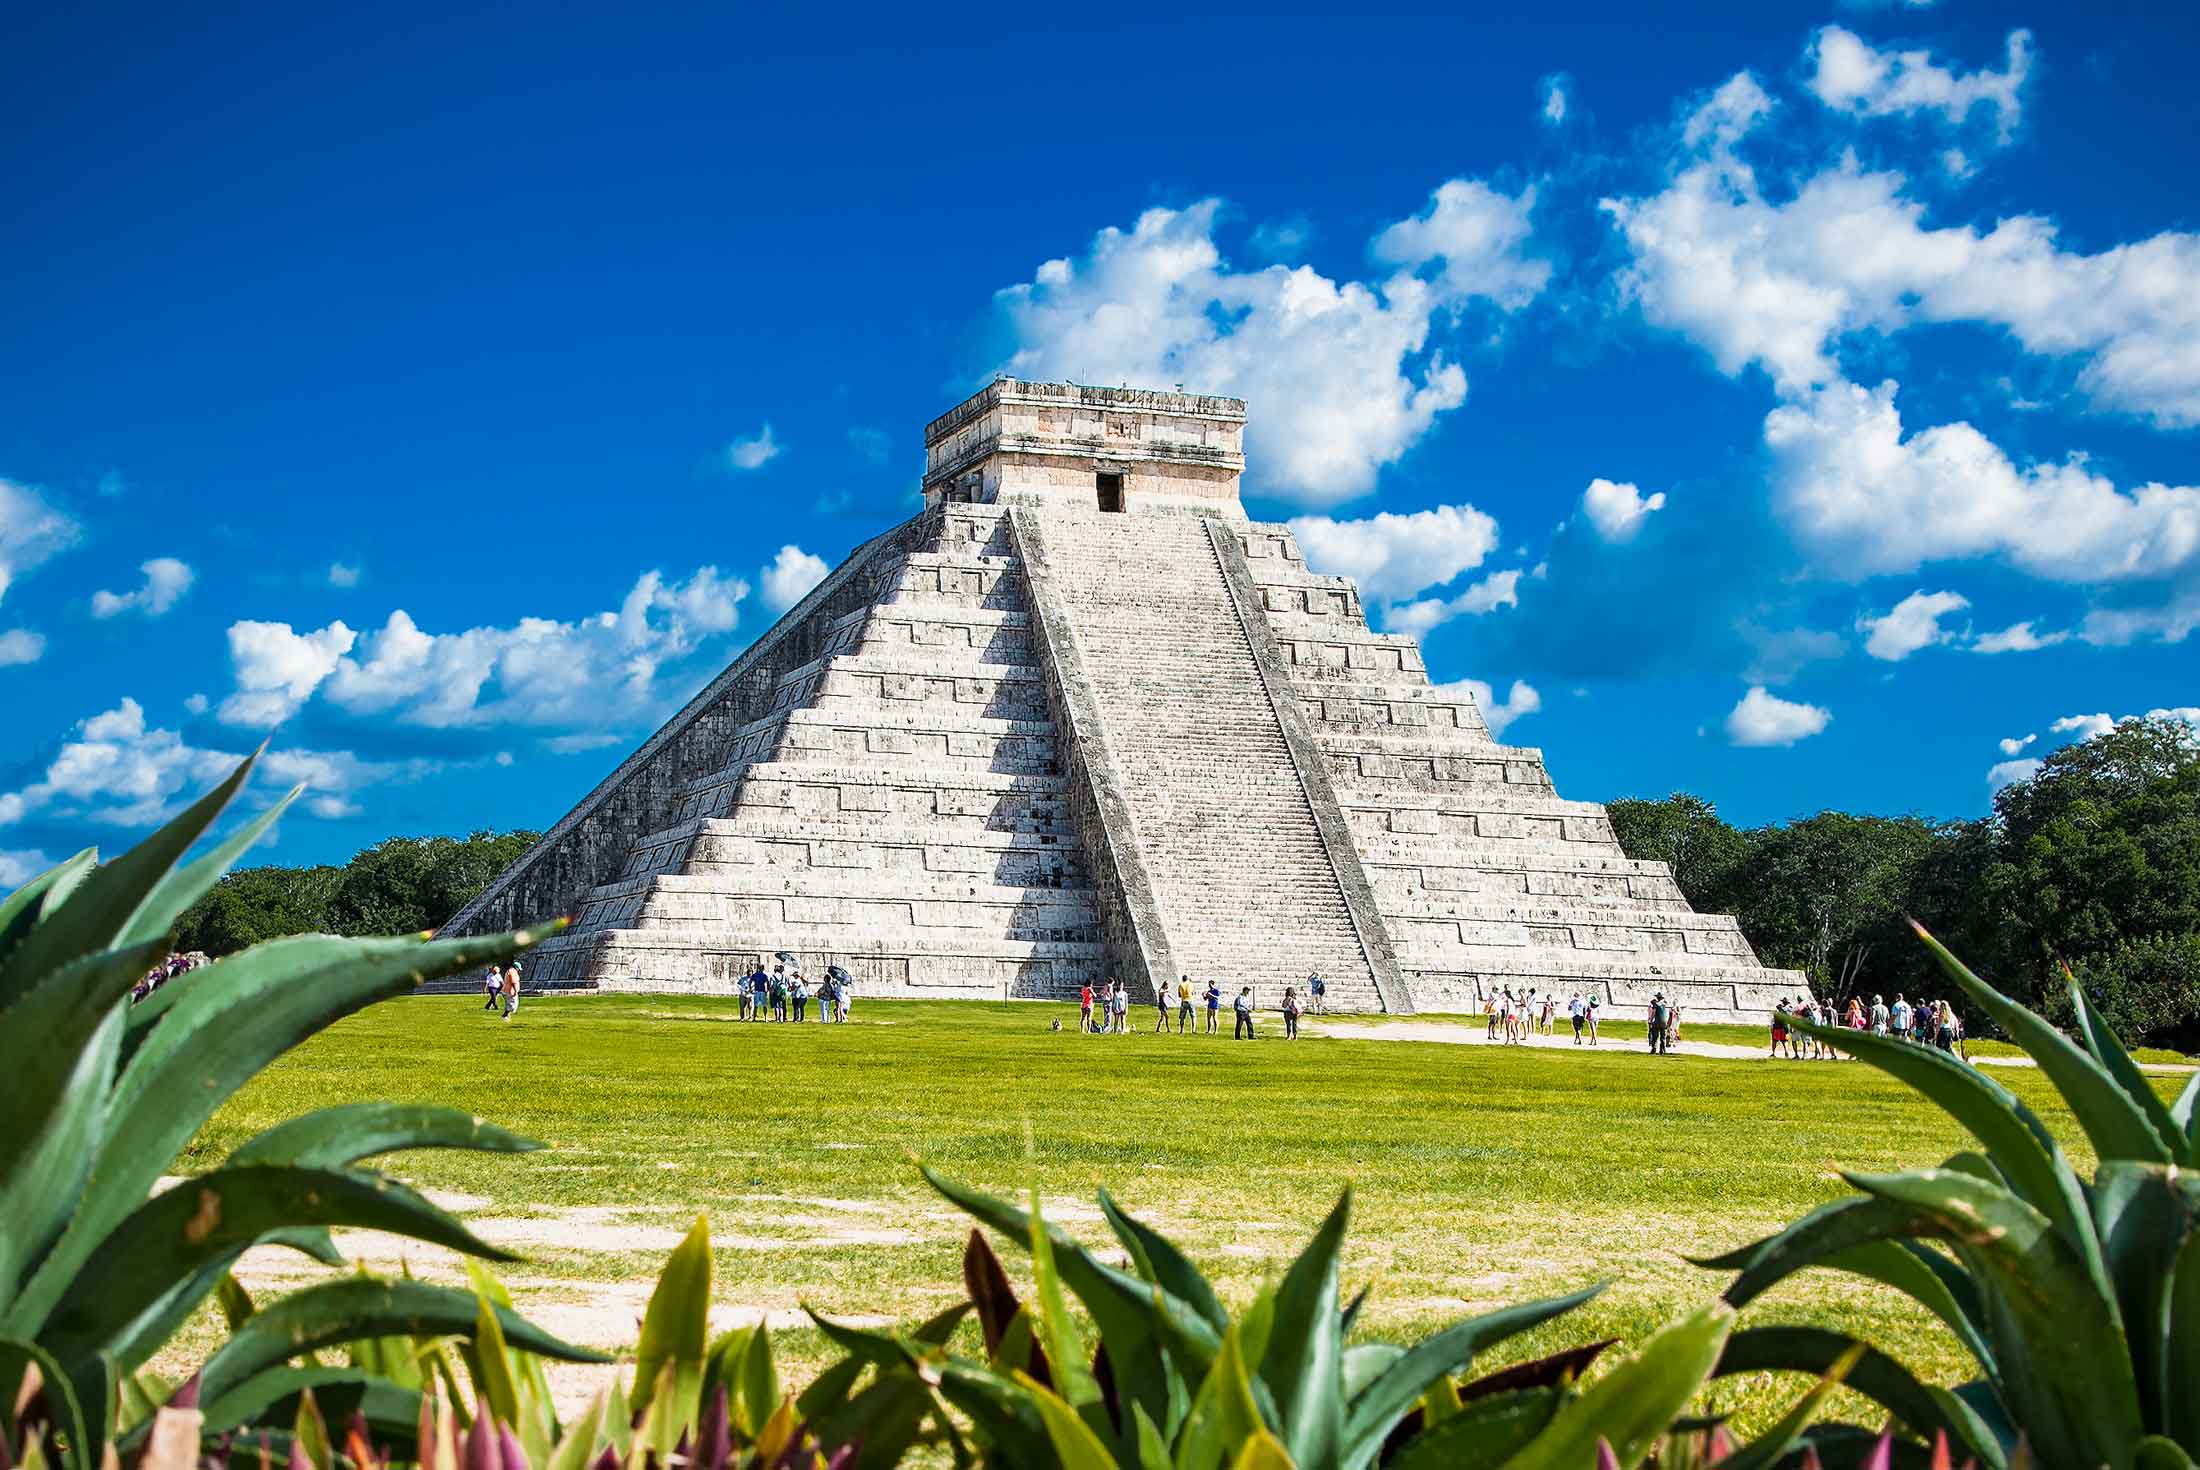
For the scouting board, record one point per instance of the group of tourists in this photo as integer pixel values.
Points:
(1928, 1023)
(1106, 1011)
(165, 971)
(785, 993)
(1515, 1018)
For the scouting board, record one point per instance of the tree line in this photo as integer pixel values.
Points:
(400, 885)
(2093, 862)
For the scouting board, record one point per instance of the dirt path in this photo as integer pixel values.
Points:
(1450, 1034)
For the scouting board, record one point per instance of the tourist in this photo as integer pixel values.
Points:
(1898, 1017)
(1854, 1020)
(745, 987)
(1673, 1029)
(1318, 989)
(1780, 1029)
(1921, 1023)
(780, 986)
(760, 989)
(1659, 1017)
(1183, 1004)
(1290, 1014)
(1120, 1005)
(1550, 1005)
(1944, 1029)
(492, 981)
(1879, 1015)
(1084, 1008)
(1577, 1013)
(511, 990)
(1244, 1007)
(1496, 1017)
(844, 996)
(828, 996)
(1161, 1009)
(1214, 1004)
(1595, 1000)
(798, 991)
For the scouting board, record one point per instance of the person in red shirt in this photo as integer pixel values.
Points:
(1084, 1007)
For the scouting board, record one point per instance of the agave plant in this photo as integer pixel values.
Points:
(2079, 1299)
(97, 1270)
(1177, 1383)
(695, 1404)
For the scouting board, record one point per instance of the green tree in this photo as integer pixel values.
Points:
(400, 885)
(1686, 833)
(1825, 895)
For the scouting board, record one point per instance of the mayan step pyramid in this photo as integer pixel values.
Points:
(1080, 718)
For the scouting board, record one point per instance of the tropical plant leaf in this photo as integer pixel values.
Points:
(2108, 1049)
(1767, 1450)
(64, 1415)
(2181, 1353)
(1160, 1262)
(1076, 1445)
(271, 1400)
(1631, 1406)
(359, 1306)
(2118, 1129)
(1005, 1416)
(2022, 1148)
(179, 888)
(235, 1016)
(1933, 1282)
(1224, 1412)
(1303, 1365)
(180, 1231)
(2080, 1406)
(2147, 1213)
(2185, 1113)
(104, 904)
(21, 910)
(676, 1326)
(1375, 1410)
(1489, 1431)
(58, 1050)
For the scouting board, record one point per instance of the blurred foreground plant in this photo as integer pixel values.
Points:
(2079, 1300)
(97, 1270)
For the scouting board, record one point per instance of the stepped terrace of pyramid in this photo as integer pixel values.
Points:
(1080, 717)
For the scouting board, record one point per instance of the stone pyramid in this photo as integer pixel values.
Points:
(1079, 717)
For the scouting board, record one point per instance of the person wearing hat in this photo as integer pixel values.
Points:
(1661, 1020)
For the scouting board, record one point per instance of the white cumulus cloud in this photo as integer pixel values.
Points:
(791, 574)
(1393, 555)
(2009, 773)
(19, 865)
(31, 531)
(1618, 510)
(1555, 99)
(1865, 499)
(2017, 638)
(166, 580)
(1914, 623)
(754, 452)
(1850, 75)
(1520, 700)
(21, 646)
(1335, 372)
(342, 574)
(538, 671)
(1763, 718)
(2010, 745)
(118, 769)
(1498, 589)
(2085, 727)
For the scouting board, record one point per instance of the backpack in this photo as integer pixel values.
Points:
(1661, 1014)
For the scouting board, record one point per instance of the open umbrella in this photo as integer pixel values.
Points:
(784, 958)
(836, 974)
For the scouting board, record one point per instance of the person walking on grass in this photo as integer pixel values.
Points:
(798, 991)
(780, 986)
(1183, 1004)
(1290, 1014)
(1879, 1015)
(1120, 1004)
(492, 983)
(1495, 1017)
(1780, 1029)
(1576, 1012)
(510, 987)
(1659, 1018)
(1084, 1008)
(1317, 990)
(745, 986)
(1244, 1007)
(1595, 1001)
(1161, 1009)
(1214, 1004)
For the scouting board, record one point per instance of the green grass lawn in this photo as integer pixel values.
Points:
(1483, 1175)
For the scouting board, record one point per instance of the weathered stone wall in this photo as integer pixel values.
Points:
(591, 844)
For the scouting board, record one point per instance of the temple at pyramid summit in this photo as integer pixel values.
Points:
(1079, 717)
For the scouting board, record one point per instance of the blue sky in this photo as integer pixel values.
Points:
(1794, 405)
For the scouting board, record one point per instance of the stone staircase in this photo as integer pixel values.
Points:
(1247, 891)
(899, 809)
